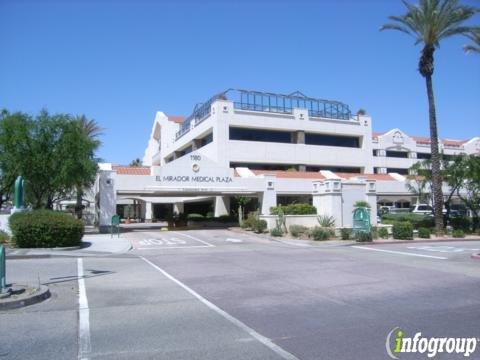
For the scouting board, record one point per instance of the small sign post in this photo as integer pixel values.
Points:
(115, 225)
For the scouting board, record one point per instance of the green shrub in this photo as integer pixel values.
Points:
(383, 233)
(320, 233)
(461, 223)
(276, 232)
(294, 209)
(345, 233)
(417, 220)
(297, 230)
(249, 222)
(374, 232)
(424, 233)
(402, 230)
(4, 237)
(45, 228)
(326, 221)
(195, 217)
(362, 203)
(364, 236)
(458, 234)
(260, 226)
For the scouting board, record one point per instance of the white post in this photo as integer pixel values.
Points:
(148, 211)
(178, 208)
(222, 205)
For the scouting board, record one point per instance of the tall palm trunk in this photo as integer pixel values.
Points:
(436, 176)
(79, 204)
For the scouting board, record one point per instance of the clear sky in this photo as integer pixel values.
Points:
(121, 61)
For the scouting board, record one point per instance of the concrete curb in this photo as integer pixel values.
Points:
(38, 296)
(476, 256)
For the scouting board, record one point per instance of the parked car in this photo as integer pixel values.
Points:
(423, 209)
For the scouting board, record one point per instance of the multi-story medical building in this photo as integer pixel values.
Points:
(278, 148)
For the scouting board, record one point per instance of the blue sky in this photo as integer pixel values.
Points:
(121, 61)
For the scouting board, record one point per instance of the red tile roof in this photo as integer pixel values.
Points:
(176, 119)
(131, 170)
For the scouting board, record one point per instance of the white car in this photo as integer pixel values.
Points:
(423, 209)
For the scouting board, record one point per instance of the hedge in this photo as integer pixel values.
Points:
(45, 228)
(417, 220)
(294, 209)
(402, 230)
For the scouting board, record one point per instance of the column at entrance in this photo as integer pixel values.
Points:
(148, 211)
(178, 208)
(222, 205)
(269, 196)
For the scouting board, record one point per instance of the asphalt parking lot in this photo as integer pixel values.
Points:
(216, 294)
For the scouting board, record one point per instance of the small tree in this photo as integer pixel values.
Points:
(136, 163)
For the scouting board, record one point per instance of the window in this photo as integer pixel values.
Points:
(375, 152)
(246, 134)
(354, 170)
(332, 140)
(259, 166)
(398, 171)
(397, 154)
(424, 156)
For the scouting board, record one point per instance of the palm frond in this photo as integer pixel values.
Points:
(433, 20)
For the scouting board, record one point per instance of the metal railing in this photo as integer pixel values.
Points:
(268, 102)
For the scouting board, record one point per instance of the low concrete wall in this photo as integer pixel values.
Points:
(305, 220)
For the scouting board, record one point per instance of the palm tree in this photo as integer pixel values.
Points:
(92, 130)
(474, 35)
(430, 22)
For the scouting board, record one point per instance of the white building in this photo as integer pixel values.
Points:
(277, 148)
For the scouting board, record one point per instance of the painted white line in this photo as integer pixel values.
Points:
(84, 345)
(262, 339)
(173, 247)
(194, 238)
(400, 252)
(234, 240)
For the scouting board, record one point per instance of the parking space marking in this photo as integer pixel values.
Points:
(400, 252)
(196, 239)
(262, 339)
(233, 240)
(84, 344)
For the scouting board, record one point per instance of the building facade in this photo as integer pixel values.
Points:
(274, 147)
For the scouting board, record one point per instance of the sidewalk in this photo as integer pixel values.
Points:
(92, 245)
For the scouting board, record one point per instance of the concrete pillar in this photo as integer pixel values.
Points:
(371, 194)
(302, 167)
(148, 211)
(178, 208)
(222, 205)
(107, 205)
(327, 199)
(300, 137)
(269, 196)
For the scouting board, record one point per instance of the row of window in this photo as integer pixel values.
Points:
(287, 137)
(401, 154)
(293, 167)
